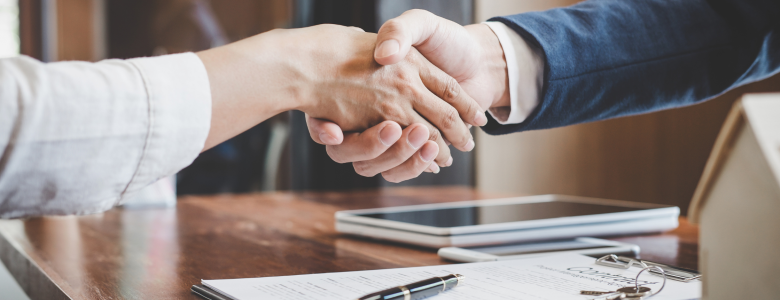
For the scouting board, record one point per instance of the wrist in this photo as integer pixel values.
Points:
(327, 61)
(297, 69)
(250, 82)
(494, 65)
(250, 74)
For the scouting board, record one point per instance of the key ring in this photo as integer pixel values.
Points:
(636, 280)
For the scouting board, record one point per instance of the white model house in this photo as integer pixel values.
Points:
(737, 204)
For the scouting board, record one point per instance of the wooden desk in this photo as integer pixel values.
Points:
(160, 253)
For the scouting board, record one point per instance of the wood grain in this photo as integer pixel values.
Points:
(160, 253)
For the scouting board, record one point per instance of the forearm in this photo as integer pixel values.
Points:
(251, 81)
(608, 59)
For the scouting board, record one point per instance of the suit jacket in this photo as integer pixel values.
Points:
(612, 58)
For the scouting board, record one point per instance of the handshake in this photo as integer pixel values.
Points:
(425, 74)
(388, 103)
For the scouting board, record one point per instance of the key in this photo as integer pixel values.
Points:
(596, 293)
(627, 293)
(615, 296)
(603, 295)
(631, 292)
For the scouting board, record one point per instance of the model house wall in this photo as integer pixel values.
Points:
(737, 205)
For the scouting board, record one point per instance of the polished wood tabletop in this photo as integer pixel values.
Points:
(160, 253)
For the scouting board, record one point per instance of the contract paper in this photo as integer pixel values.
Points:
(554, 277)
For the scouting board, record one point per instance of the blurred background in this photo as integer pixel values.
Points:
(655, 158)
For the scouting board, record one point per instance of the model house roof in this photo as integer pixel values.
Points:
(761, 112)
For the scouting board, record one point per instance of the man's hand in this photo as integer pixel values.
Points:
(329, 72)
(350, 89)
(472, 55)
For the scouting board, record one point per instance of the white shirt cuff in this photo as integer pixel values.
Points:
(179, 115)
(525, 69)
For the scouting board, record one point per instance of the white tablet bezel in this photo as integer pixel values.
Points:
(474, 255)
(652, 211)
(639, 226)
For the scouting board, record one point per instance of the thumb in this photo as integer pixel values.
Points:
(398, 35)
(324, 132)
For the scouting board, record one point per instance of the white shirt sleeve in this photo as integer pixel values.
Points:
(75, 137)
(525, 68)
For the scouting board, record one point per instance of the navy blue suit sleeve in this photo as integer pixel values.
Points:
(613, 58)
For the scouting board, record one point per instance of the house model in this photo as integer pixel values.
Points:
(737, 204)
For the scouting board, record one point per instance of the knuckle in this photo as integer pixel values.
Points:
(399, 157)
(390, 177)
(329, 26)
(334, 155)
(451, 89)
(443, 155)
(414, 57)
(368, 151)
(419, 12)
(449, 118)
(434, 134)
(417, 96)
(462, 140)
(363, 169)
(473, 109)
(404, 78)
(395, 177)
(392, 25)
(390, 110)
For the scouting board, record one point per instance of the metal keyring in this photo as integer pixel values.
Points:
(636, 280)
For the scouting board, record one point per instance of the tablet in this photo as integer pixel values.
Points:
(510, 220)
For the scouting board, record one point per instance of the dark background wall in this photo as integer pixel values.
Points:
(278, 154)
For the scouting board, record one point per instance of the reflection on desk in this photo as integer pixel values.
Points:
(159, 254)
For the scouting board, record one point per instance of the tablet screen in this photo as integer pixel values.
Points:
(479, 215)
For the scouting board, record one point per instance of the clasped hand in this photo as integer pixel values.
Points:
(357, 93)
(374, 106)
(471, 55)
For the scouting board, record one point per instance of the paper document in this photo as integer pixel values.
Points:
(554, 277)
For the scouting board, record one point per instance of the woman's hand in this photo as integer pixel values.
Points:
(356, 93)
(471, 54)
(329, 72)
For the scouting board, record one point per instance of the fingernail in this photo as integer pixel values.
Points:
(435, 168)
(417, 137)
(480, 119)
(428, 154)
(470, 145)
(327, 138)
(449, 162)
(387, 48)
(388, 137)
